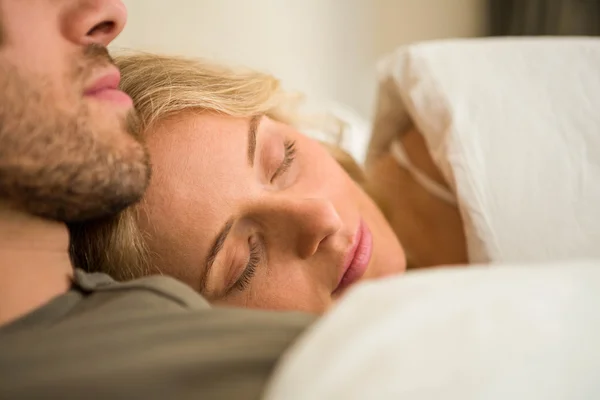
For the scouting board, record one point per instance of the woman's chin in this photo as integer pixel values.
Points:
(388, 257)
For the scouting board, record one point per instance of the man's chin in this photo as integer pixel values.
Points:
(102, 200)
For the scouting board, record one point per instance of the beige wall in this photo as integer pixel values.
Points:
(325, 48)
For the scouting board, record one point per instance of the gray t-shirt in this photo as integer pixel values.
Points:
(149, 338)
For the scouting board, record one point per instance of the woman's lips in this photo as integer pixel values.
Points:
(357, 259)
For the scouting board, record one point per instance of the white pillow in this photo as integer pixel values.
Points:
(514, 125)
(515, 332)
(355, 134)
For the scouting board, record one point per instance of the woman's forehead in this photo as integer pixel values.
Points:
(199, 169)
(198, 148)
(203, 128)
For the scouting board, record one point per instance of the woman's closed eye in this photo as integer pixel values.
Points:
(288, 159)
(249, 271)
(254, 245)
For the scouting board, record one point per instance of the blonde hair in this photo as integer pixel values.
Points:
(162, 86)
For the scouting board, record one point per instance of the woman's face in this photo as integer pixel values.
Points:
(252, 213)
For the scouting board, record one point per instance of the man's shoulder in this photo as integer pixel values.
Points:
(144, 338)
(162, 287)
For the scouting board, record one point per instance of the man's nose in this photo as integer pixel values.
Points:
(302, 225)
(94, 21)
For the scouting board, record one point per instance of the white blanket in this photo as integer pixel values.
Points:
(515, 332)
(514, 125)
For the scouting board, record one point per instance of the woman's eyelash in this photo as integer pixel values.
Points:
(250, 270)
(290, 153)
(288, 158)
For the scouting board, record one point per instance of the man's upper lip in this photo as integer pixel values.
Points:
(109, 79)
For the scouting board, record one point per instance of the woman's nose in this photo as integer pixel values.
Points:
(302, 225)
(94, 21)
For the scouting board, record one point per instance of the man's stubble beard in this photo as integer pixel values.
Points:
(54, 163)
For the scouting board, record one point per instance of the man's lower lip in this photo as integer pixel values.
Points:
(360, 263)
(113, 96)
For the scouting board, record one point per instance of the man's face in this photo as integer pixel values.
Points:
(68, 149)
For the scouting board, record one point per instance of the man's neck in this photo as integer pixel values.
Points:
(34, 262)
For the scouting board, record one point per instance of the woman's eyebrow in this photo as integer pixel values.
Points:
(252, 129)
(213, 252)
